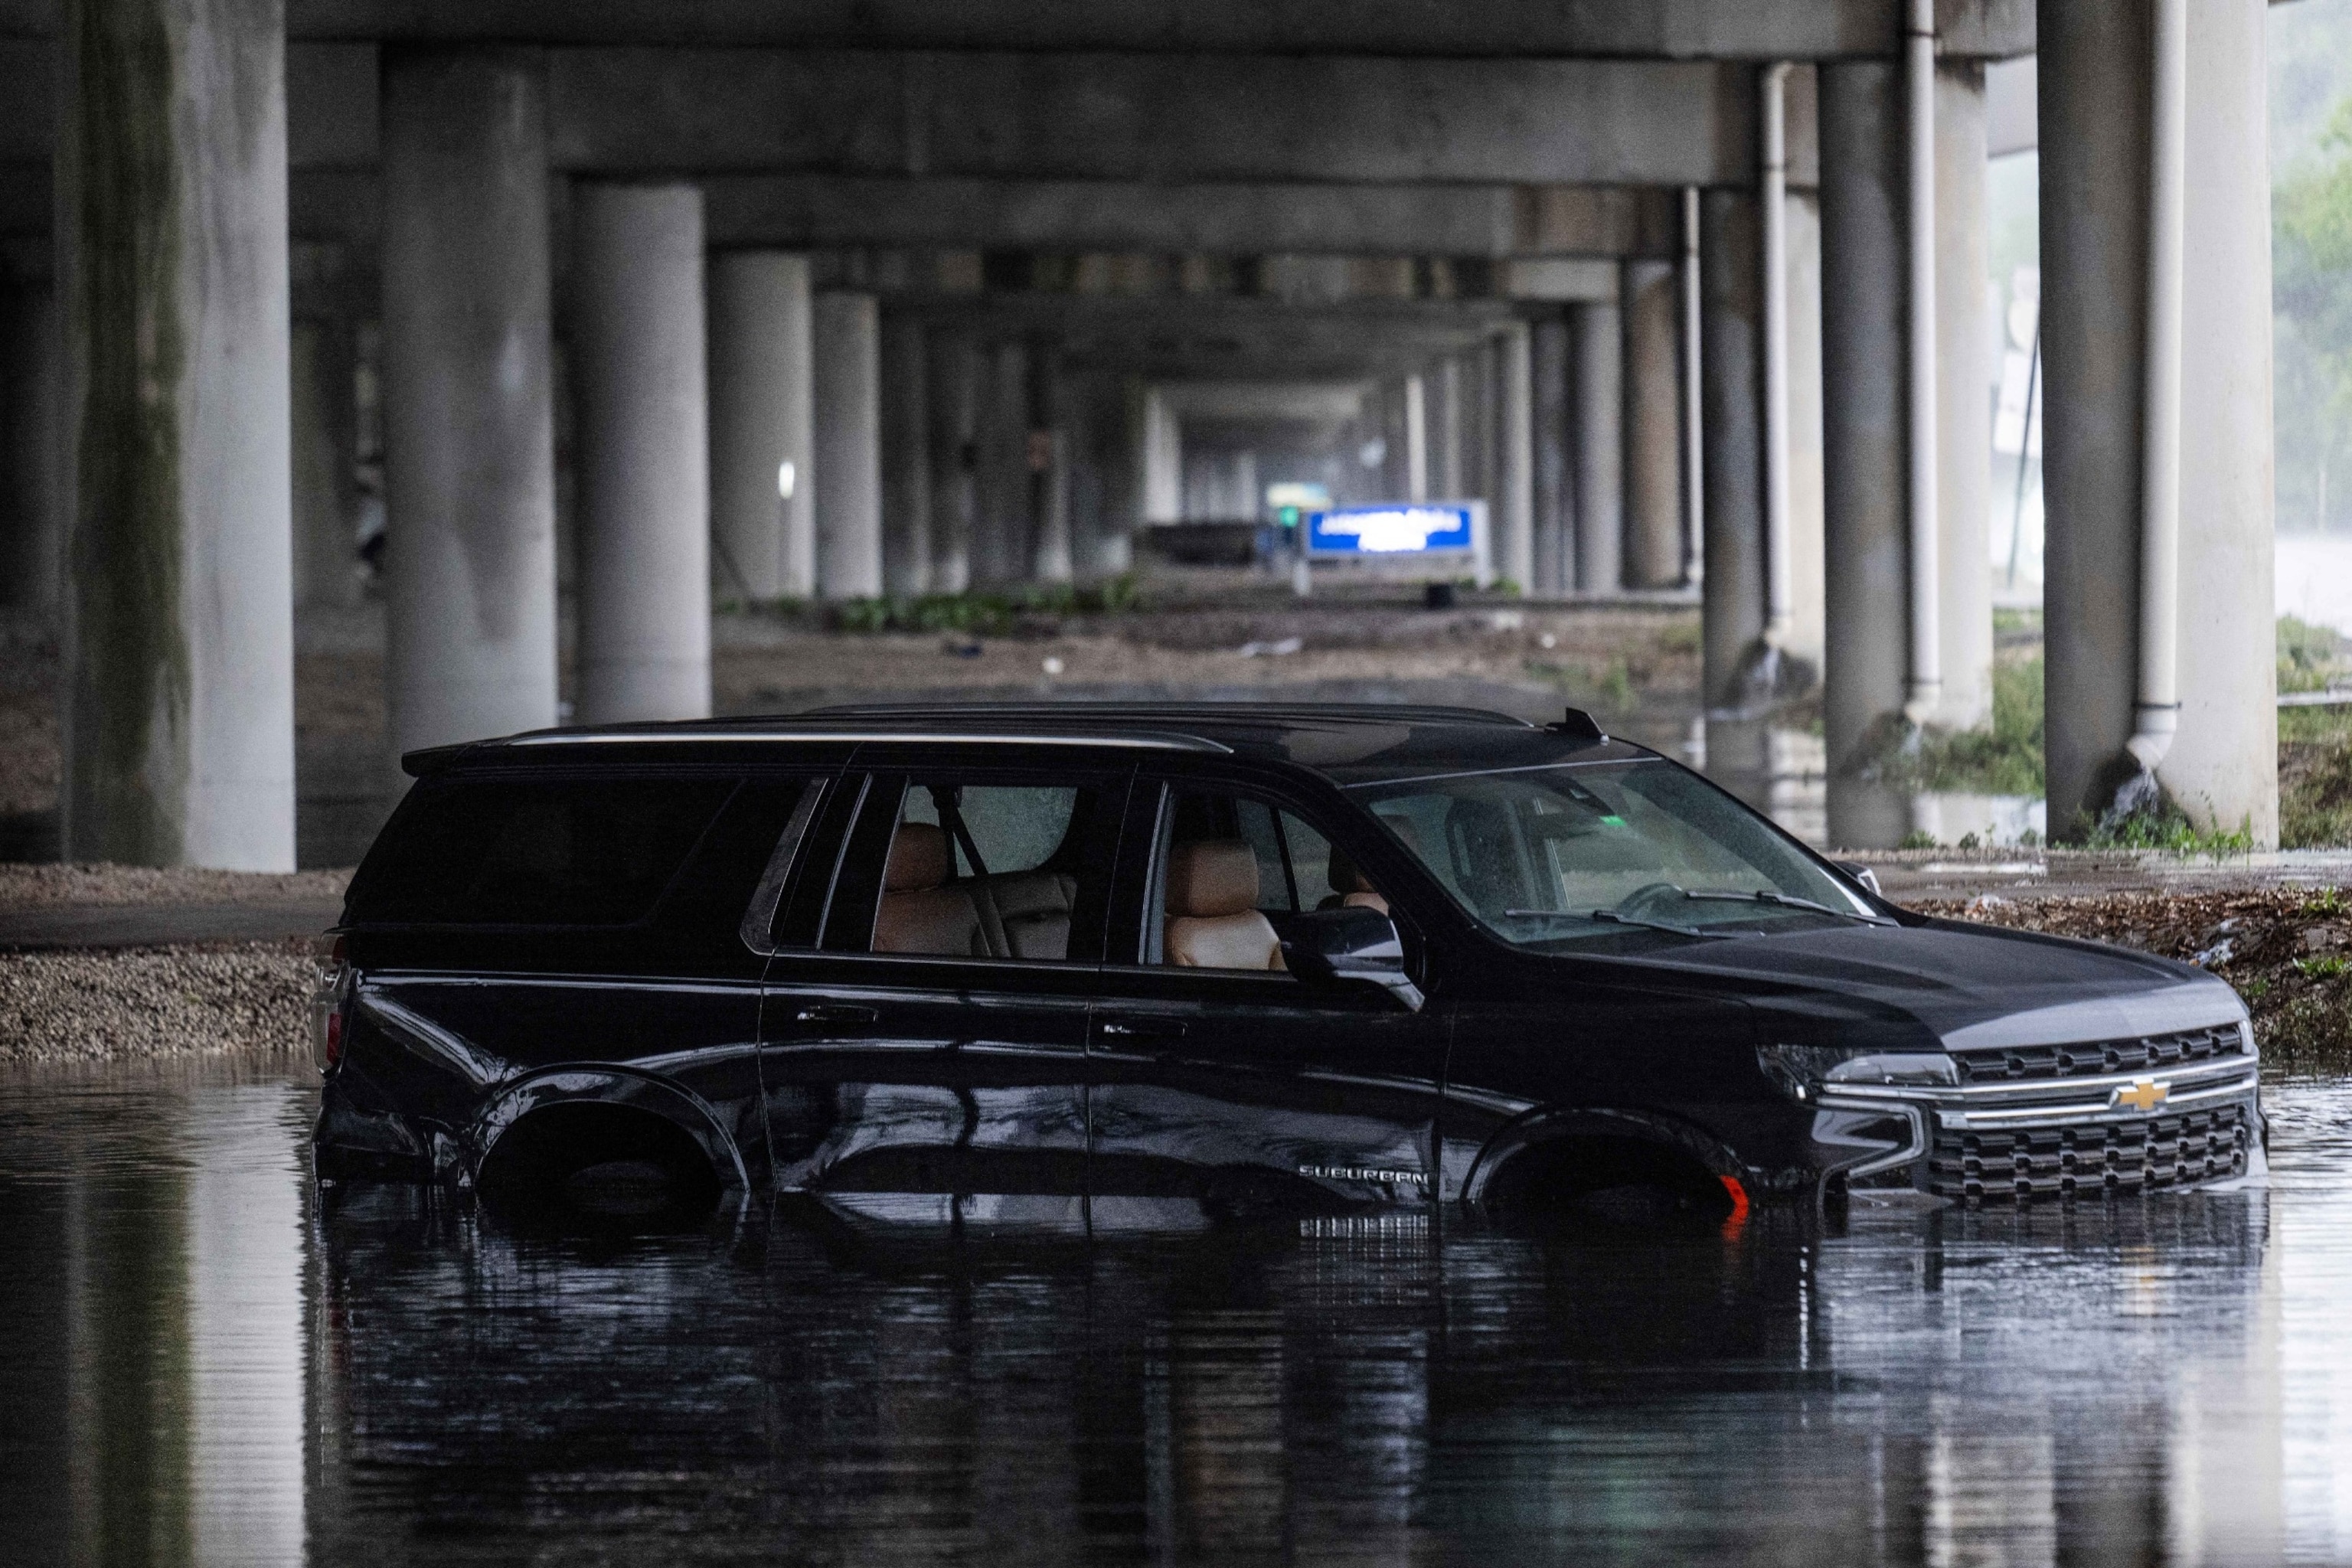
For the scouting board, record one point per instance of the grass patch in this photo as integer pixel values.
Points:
(981, 614)
(2169, 830)
(2007, 759)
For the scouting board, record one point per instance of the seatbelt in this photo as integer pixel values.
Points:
(943, 801)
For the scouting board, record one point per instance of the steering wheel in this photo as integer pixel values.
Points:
(1645, 899)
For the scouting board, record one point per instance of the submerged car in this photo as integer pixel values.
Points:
(1137, 961)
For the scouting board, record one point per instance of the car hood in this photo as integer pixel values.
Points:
(1970, 987)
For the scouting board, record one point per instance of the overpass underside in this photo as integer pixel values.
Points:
(835, 300)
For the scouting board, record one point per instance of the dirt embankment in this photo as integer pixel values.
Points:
(2288, 952)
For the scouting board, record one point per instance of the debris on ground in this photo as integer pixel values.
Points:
(2288, 952)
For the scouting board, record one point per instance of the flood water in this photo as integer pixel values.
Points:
(205, 1363)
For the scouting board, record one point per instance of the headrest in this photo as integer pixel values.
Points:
(918, 857)
(1212, 877)
(1345, 874)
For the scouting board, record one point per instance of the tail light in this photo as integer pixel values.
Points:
(327, 999)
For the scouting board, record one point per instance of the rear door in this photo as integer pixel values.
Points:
(924, 1019)
(1236, 1090)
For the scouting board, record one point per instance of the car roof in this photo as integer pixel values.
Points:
(1348, 741)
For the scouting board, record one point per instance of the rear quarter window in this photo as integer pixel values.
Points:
(548, 852)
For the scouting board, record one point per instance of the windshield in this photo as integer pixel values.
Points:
(1607, 852)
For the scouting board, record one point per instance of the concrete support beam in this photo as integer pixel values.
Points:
(2094, 105)
(1555, 460)
(32, 397)
(1654, 499)
(1732, 389)
(762, 522)
(173, 283)
(1224, 217)
(953, 382)
(1137, 117)
(1599, 335)
(907, 551)
(467, 398)
(847, 336)
(644, 452)
(1863, 420)
(1963, 412)
(323, 410)
(1650, 29)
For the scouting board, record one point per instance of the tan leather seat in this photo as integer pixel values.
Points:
(1026, 914)
(1213, 916)
(1354, 889)
(920, 913)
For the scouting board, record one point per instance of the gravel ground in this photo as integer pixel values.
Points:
(150, 1004)
(23, 887)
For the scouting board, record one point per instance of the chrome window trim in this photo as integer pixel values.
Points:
(759, 920)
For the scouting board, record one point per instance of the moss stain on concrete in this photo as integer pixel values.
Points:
(131, 684)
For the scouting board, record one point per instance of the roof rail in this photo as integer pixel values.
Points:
(1206, 711)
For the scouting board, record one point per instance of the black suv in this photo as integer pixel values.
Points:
(1152, 966)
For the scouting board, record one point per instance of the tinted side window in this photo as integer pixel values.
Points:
(517, 851)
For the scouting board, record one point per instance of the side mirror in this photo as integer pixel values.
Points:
(1352, 944)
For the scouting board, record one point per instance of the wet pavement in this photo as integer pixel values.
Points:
(205, 1363)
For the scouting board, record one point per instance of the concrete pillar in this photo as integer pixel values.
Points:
(764, 539)
(322, 413)
(172, 273)
(846, 338)
(906, 455)
(953, 380)
(2094, 87)
(1802, 639)
(1163, 462)
(1416, 439)
(1963, 405)
(1446, 450)
(32, 509)
(1000, 545)
(643, 453)
(1046, 449)
(1599, 447)
(1864, 378)
(468, 426)
(1514, 499)
(1732, 391)
(2093, 90)
(1652, 415)
(1555, 464)
(2222, 768)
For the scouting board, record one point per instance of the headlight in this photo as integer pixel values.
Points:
(1803, 1072)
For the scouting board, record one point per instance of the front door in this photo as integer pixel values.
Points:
(922, 1049)
(1223, 1084)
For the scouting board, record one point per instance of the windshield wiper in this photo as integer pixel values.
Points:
(1609, 916)
(1727, 895)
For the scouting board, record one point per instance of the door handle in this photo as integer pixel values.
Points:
(836, 1012)
(1144, 1029)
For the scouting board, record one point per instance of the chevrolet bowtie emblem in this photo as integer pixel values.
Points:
(2145, 1094)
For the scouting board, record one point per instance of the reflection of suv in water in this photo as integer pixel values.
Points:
(1141, 964)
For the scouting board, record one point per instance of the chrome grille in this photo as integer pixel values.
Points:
(2020, 1163)
(2087, 1059)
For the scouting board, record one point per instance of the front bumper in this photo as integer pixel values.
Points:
(2078, 1137)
